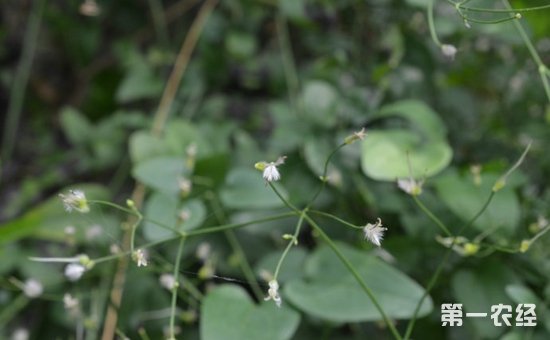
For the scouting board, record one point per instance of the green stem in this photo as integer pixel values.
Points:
(486, 22)
(355, 274)
(291, 242)
(284, 200)
(534, 54)
(497, 10)
(158, 20)
(322, 213)
(11, 310)
(436, 220)
(431, 24)
(237, 225)
(237, 248)
(21, 78)
(288, 62)
(324, 176)
(175, 289)
(439, 269)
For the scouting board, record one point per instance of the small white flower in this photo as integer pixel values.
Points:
(203, 251)
(449, 51)
(359, 135)
(168, 281)
(74, 271)
(75, 200)
(89, 8)
(139, 257)
(69, 301)
(20, 334)
(270, 171)
(374, 232)
(94, 232)
(273, 293)
(410, 186)
(33, 288)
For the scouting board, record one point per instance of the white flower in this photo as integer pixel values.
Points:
(168, 281)
(140, 258)
(410, 186)
(69, 301)
(273, 293)
(374, 232)
(89, 8)
(270, 171)
(74, 271)
(33, 288)
(75, 200)
(449, 51)
(20, 334)
(359, 135)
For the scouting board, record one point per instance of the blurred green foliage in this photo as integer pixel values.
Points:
(270, 78)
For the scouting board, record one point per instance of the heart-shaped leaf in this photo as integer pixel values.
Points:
(331, 292)
(228, 313)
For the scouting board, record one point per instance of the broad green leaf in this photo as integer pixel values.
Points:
(521, 294)
(76, 126)
(481, 288)
(161, 173)
(246, 189)
(465, 199)
(143, 145)
(241, 45)
(418, 114)
(330, 291)
(384, 155)
(228, 313)
(140, 81)
(319, 100)
(166, 209)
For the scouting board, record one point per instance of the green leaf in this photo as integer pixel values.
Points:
(161, 173)
(246, 189)
(319, 100)
(481, 288)
(140, 81)
(465, 199)
(330, 291)
(165, 209)
(228, 313)
(384, 155)
(76, 126)
(143, 145)
(418, 114)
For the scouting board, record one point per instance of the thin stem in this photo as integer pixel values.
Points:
(434, 218)
(540, 233)
(431, 24)
(175, 289)
(21, 78)
(293, 241)
(10, 311)
(159, 21)
(324, 176)
(487, 22)
(497, 10)
(534, 54)
(435, 277)
(284, 200)
(288, 62)
(237, 248)
(355, 274)
(346, 223)
(229, 226)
